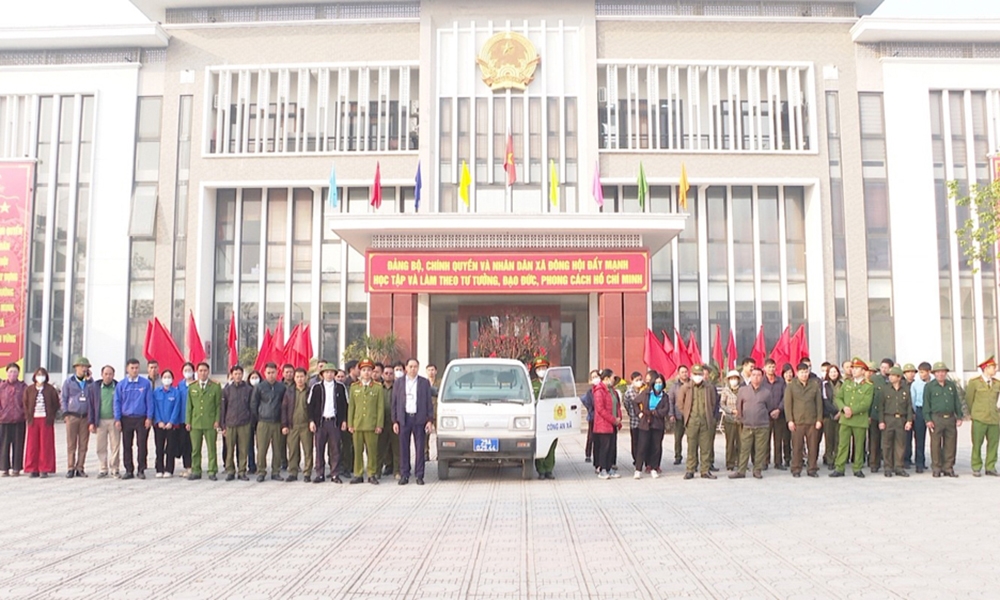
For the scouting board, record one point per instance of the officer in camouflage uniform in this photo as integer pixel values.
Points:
(894, 408)
(365, 416)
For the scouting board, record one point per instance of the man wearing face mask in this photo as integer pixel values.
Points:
(546, 465)
(75, 410)
(683, 376)
(234, 416)
(636, 386)
(182, 446)
(12, 422)
(854, 400)
(699, 405)
(730, 423)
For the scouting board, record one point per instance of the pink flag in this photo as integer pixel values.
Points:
(598, 189)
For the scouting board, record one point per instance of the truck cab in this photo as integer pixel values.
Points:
(488, 412)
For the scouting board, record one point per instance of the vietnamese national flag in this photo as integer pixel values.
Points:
(160, 346)
(234, 355)
(717, 349)
(508, 161)
(196, 351)
(693, 351)
(264, 354)
(731, 351)
(759, 352)
(377, 188)
(682, 357)
(781, 353)
(654, 355)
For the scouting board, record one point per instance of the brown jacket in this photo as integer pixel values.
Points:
(51, 403)
(803, 403)
(685, 399)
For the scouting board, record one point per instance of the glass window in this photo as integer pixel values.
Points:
(143, 218)
(795, 233)
(742, 202)
(718, 251)
(767, 213)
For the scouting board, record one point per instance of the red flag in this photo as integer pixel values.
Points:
(146, 352)
(794, 348)
(162, 348)
(377, 188)
(305, 346)
(717, 355)
(196, 351)
(803, 341)
(668, 347)
(693, 351)
(508, 162)
(731, 351)
(682, 357)
(234, 355)
(759, 352)
(781, 353)
(264, 354)
(277, 354)
(289, 356)
(654, 356)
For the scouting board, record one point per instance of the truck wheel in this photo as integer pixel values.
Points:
(442, 470)
(528, 469)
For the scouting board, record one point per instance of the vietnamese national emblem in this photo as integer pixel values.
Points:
(508, 61)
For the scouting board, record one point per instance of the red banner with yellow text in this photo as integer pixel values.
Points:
(529, 272)
(16, 180)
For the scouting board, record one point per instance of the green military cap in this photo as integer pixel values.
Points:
(697, 370)
(81, 361)
(909, 368)
(939, 366)
(896, 371)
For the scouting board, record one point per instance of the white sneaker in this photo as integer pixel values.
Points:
(159, 475)
(637, 475)
(614, 474)
(603, 475)
(168, 475)
(654, 474)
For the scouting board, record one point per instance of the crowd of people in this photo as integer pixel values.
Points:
(324, 424)
(860, 413)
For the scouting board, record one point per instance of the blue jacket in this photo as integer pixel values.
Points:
(588, 401)
(94, 400)
(168, 405)
(134, 398)
(74, 398)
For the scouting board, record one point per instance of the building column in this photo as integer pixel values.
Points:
(635, 324)
(611, 343)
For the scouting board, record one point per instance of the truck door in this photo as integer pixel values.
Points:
(557, 408)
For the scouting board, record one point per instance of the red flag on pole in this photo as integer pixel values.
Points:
(654, 356)
(377, 188)
(759, 352)
(264, 354)
(196, 351)
(668, 347)
(803, 341)
(234, 355)
(161, 347)
(717, 355)
(508, 161)
(795, 348)
(693, 351)
(277, 354)
(681, 352)
(781, 353)
(731, 351)
(146, 352)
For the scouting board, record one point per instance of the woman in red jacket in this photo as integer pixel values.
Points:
(604, 426)
(41, 403)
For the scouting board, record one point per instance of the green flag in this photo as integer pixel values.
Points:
(643, 188)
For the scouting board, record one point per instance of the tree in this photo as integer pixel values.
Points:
(384, 349)
(514, 335)
(977, 236)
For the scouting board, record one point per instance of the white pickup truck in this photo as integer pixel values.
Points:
(489, 413)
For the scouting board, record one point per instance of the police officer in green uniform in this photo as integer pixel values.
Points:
(853, 401)
(943, 413)
(981, 396)
(365, 416)
(203, 406)
(894, 408)
(544, 466)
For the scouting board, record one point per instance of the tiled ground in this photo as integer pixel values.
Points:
(487, 534)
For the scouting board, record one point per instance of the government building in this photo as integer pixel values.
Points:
(680, 165)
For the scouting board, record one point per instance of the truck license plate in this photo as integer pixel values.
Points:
(485, 445)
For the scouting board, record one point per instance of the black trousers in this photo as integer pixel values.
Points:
(179, 445)
(134, 427)
(12, 446)
(602, 450)
(166, 452)
(649, 449)
(346, 464)
(326, 442)
(588, 450)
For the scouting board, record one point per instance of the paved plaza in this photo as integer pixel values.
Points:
(488, 534)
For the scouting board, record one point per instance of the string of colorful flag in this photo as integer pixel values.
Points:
(666, 357)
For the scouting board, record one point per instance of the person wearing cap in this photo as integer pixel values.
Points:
(832, 381)
(76, 409)
(804, 415)
(893, 410)
(943, 413)
(880, 379)
(328, 418)
(202, 418)
(730, 423)
(854, 401)
(699, 405)
(546, 465)
(365, 415)
(981, 396)
(755, 407)
(909, 376)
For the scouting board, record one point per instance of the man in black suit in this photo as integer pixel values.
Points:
(412, 416)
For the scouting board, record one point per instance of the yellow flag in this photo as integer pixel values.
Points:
(553, 183)
(463, 183)
(682, 189)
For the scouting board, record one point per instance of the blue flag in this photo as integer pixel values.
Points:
(333, 197)
(418, 182)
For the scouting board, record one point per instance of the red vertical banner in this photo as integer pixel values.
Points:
(16, 180)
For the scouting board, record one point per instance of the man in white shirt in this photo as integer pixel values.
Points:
(412, 415)
(328, 417)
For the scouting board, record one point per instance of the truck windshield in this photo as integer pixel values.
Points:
(485, 383)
